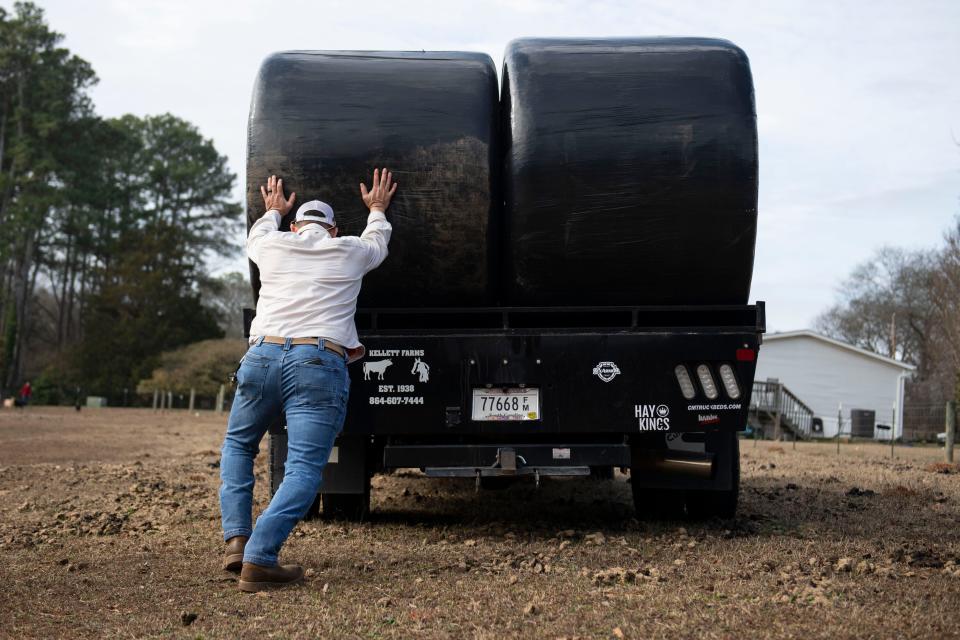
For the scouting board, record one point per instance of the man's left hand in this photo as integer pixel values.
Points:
(273, 196)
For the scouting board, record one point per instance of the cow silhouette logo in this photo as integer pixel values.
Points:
(379, 367)
(422, 368)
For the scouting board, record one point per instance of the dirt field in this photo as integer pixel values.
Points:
(109, 527)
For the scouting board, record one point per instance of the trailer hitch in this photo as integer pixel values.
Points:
(507, 463)
(507, 460)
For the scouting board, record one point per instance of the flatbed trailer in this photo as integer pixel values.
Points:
(496, 393)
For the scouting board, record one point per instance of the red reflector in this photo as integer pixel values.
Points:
(746, 355)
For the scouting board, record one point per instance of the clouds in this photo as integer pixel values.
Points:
(859, 103)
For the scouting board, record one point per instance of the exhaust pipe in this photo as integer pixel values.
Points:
(656, 463)
(684, 467)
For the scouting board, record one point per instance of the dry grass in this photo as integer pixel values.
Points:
(942, 467)
(109, 527)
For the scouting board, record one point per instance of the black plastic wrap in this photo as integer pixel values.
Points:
(630, 172)
(322, 120)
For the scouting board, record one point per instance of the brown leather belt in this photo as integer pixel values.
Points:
(328, 345)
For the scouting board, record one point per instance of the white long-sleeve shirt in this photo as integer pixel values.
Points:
(309, 282)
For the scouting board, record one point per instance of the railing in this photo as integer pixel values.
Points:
(774, 399)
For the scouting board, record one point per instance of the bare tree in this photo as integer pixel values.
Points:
(886, 306)
(946, 299)
(227, 295)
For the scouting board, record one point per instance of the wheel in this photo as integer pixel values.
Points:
(354, 507)
(278, 457)
(703, 505)
(313, 513)
(657, 503)
(653, 503)
(601, 473)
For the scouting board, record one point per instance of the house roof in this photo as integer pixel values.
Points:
(807, 333)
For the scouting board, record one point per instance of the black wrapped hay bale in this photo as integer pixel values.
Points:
(324, 119)
(630, 173)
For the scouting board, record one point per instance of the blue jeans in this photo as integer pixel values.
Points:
(310, 385)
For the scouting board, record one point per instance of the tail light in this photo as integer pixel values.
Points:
(706, 381)
(686, 384)
(729, 381)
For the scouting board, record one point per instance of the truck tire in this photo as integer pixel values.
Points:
(313, 513)
(656, 504)
(601, 473)
(342, 506)
(277, 458)
(353, 507)
(703, 505)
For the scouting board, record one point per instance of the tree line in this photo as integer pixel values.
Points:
(106, 224)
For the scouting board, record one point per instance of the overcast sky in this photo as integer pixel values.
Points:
(858, 102)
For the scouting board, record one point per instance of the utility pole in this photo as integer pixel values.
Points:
(893, 335)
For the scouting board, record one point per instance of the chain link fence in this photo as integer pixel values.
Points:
(922, 421)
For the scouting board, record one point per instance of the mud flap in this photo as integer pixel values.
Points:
(716, 450)
(346, 471)
(278, 453)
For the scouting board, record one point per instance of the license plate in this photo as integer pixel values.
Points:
(506, 404)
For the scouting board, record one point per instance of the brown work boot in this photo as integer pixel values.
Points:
(255, 577)
(233, 554)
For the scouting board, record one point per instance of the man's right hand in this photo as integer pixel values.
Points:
(380, 194)
(273, 196)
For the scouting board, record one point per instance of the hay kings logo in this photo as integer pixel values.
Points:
(652, 417)
(606, 370)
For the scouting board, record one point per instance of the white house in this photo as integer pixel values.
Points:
(828, 375)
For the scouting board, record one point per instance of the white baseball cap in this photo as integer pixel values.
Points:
(316, 210)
